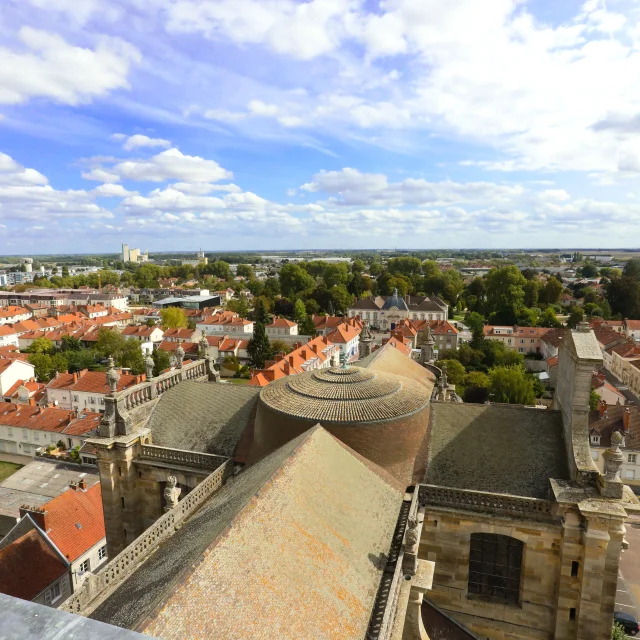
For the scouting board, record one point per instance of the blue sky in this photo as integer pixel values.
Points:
(278, 124)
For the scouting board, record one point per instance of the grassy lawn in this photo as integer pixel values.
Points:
(7, 469)
(236, 380)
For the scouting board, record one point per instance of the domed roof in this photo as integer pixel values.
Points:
(395, 301)
(346, 395)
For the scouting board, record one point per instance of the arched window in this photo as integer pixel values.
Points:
(495, 567)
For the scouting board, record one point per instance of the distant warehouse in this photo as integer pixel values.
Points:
(205, 299)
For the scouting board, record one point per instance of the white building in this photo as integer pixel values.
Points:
(11, 371)
(8, 337)
(281, 327)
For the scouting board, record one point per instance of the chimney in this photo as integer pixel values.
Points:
(82, 485)
(626, 419)
(32, 402)
(73, 486)
(75, 376)
(38, 514)
(602, 408)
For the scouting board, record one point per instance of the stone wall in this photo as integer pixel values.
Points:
(445, 540)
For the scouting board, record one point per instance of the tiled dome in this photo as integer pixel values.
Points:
(351, 395)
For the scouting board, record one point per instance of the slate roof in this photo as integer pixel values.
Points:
(202, 416)
(288, 549)
(28, 566)
(496, 448)
(613, 421)
(396, 301)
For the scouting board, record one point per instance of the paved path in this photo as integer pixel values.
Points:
(628, 592)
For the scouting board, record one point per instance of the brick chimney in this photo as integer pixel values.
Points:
(38, 515)
(75, 376)
(82, 485)
(626, 419)
(602, 408)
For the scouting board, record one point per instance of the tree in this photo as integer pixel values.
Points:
(259, 347)
(280, 346)
(531, 291)
(476, 387)
(132, 357)
(589, 270)
(632, 269)
(336, 274)
(551, 291)
(618, 632)
(475, 322)
(594, 400)
(623, 295)
(404, 265)
(576, 316)
(299, 312)
(505, 294)
(161, 361)
(456, 373)
(69, 343)
(47, 365)
(307, 328)
(239, 306)
(173, 318)
(110, 343)
(220, 269)
(260, 313)
(294, 279)
(549, 319)
(340, 298)
(79, 360)
(511, 385)
(245, 270)
(42, 345)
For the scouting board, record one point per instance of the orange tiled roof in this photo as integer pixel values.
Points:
(344, 333)
(6, 330)
(634, 325)
(27, 416)
(28, 566)
(75, 521)
(92, 381)
(318, 349)
(282, 323)
(12, 312)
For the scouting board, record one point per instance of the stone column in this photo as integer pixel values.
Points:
(596, 541)
(610, 577)
(569, 586)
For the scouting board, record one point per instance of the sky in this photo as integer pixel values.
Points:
(317, 124)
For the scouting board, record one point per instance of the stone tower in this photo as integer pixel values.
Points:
(366, 341)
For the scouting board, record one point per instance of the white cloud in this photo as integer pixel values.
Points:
(31, 197)
(100, 175)
(113, 191)
(167, 165)
(138, 140)
(259, 108)
(203, 188)
(52, 68)
(302, 30)
(223, 115)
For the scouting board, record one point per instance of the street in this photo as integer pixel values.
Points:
(628, 592)
(622, 388)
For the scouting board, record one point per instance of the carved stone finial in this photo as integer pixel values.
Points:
(112, 376)
(411, 544)
(613, 458)
(444, 382)
(179, 356)
(148, 365)
(203, 347)
(171, 493)
(343, 359)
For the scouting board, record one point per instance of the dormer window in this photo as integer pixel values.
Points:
(595, 439)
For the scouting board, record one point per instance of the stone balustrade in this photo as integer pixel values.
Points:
(501, 504)
(142, 393)
(126, 562)
(181, 457)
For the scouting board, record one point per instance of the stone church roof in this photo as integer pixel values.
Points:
(496, 448)
(293, 547)
(204, 417)
(347, 395)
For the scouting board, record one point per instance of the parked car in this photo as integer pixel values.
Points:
(629, 623)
